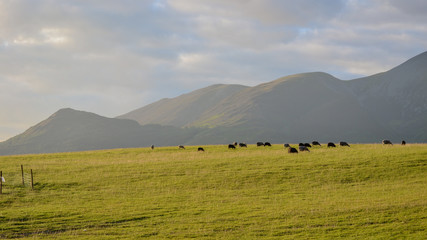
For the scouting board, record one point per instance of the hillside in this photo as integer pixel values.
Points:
(357, 192)
(297, 108)
(185, 109)
(397, 98)
(72, 130)
(308, 106)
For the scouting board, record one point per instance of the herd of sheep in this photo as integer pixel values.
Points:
(301, 146)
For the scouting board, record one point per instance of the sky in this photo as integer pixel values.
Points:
(111, 57)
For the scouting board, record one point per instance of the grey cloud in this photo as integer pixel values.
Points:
(264, 11)
(110, 57)
(411, 8)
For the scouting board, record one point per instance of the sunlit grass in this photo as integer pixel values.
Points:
(365, 191)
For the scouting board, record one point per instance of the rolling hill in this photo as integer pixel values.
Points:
(70, 130)
(305, 106)
(300, 107)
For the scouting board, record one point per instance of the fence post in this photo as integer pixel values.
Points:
(22, 174)
(32, 180)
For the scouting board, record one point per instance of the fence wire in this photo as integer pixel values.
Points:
(15, 178)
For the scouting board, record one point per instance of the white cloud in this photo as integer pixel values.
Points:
(46, 36)
(54, 35)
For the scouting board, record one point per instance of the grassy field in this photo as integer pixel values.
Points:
(361, 192)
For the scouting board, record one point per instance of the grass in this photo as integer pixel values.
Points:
(361, 192)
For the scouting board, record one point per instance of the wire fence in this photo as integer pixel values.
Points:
(16, 178)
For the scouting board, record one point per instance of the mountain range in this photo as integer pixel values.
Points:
(297, 108)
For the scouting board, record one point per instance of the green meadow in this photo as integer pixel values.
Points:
(366, 191)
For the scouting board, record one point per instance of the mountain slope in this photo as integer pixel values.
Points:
(296, 108)
(72, 130)
(397, 98)
(183, 110)
(300, 107)
(316, 105)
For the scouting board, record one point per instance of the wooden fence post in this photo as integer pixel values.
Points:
(32, 180)
(22, 174)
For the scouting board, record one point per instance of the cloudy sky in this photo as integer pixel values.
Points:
(110, 57)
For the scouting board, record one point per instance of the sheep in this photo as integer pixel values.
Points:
(307, 145)
(403, 142)
(303, 148)
(286, 145)
(331, 144)
(267, 144)
(292, 150)
(181, 147)
(200, 149)
(385, 142)
(243, 145)
(259, 144)
(344, 144)
(231, 146)
(315, 143)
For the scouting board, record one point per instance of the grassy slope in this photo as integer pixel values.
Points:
(366, 191)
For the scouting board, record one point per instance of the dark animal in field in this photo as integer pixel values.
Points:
(259, 144)
(292, 150)
(267, 144)
(303, 148)
(344, 144)
(315, 143)
(331, 144)
(181, 147)
(152, 147)
(385, 142)
(307, 145)
(235, 144)
(242, 145)
(403, 142)
(231, 146)
(300, 144)
(200, 149)
(286, 145)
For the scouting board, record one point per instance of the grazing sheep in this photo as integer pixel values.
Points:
(292, 150)
(286, 145)
(152, 147)
(181, 147)
(259, 144)
(300, 144)
(344, 144)
(331, 144)
(385, 142)
(235, 144)
(307, 145)
(403, 142)
(267, 144)
(315, 143)
(200, 149)
(231, 146)
(242, 145)
(303, 148)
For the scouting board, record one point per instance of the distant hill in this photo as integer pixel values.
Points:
(397, 98)
(72, 130)
(306, 106)
(296, 108)
(185, 109)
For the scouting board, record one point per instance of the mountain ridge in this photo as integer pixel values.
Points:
(295, 108)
